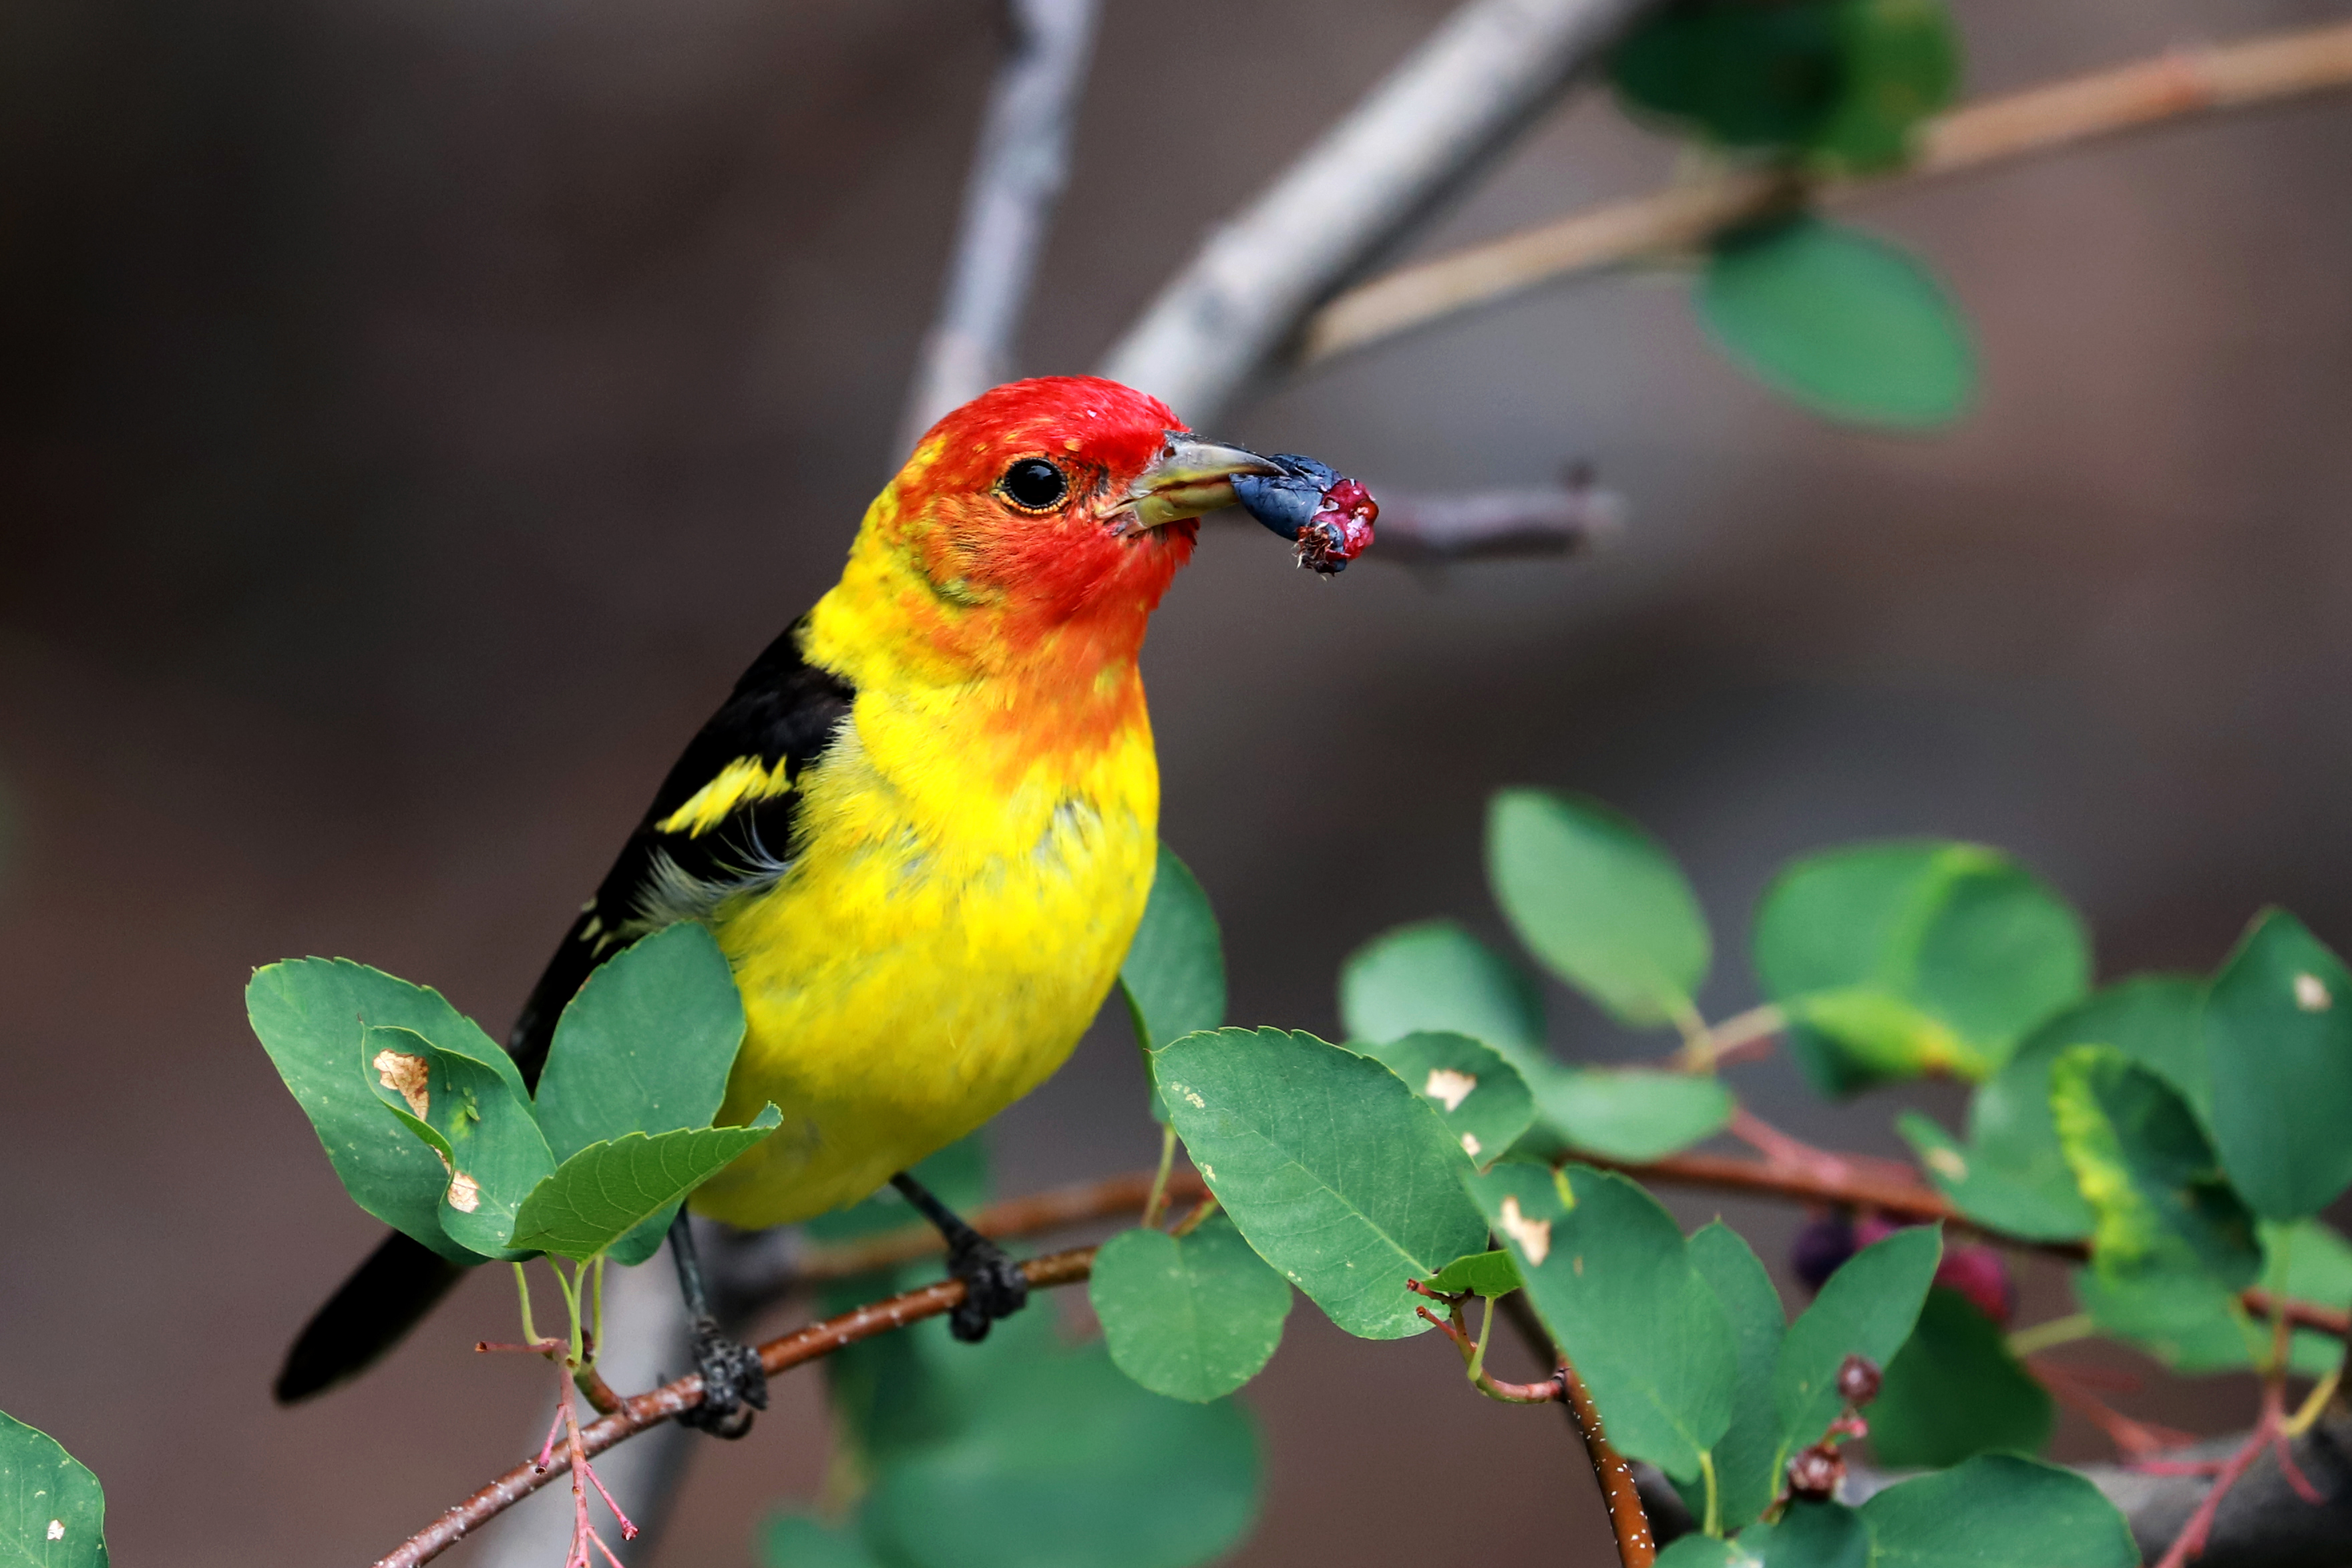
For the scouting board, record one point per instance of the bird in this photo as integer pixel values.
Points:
(922, 829)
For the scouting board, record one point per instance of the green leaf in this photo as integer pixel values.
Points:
(1750, 76)
(646, 1046)
(1190, 1317)
(1866, 1308)
(2187, 1319)
(1435, 975)
(1599, 902)
(2193, 1323)
(1069, 1465)
(1902, 63)
(1486, 1274)
(1634, 1113)
(1703, 1552)
(1612, 1278)
(479, 1123)
(1998, 1510)
(1812, 1535)
(2154, 1186)
(310, 1014)
(801, 1541)
(2278, 1043)
(1954, 1391)
(1745, 1468)
(2011, 1175)
(1842, 322)
(52, 1511)
(1337, 1174)
(1174, 976)
(1895, 960)
(607, 1189)
(1483, 1098)
(1845, 81)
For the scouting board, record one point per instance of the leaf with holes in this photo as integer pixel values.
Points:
(477, 1119)
(1611, 1276)
(607, 1189)
(2278, 1043)
(1192, 1317)
(52, 1509)
(310, 1016)
(1481, 1097)
(1598, 901)
(1843, 323)
(1334, 1171)
(1174, 974)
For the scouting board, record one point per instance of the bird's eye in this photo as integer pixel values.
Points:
(1034, 484)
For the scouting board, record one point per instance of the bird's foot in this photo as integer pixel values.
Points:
(734, 1383)
(994, 1286)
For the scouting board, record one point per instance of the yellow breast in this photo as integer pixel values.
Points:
(958, 910)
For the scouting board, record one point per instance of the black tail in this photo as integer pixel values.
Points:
(383, 1298)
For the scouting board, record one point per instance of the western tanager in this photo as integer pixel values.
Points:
(922, 829)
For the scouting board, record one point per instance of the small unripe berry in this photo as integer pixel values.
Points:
(1815, 1472)
(1857, 1380)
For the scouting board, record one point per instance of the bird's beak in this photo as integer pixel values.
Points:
(1190, 477)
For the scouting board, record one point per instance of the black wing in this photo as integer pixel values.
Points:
(722, 824)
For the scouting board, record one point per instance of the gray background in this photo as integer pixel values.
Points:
(412, 415)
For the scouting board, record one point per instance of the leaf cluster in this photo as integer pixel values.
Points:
(432, 1130)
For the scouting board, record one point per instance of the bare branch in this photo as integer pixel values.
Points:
(1018, 172)
(1567, 518)
(2039, 121)
(1419, 135)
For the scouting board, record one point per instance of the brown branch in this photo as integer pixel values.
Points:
(1631, 1525)
(1620, 1491)
(650, 1409)
(1122, 1195)
(2041, 120)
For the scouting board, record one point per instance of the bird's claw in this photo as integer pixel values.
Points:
(994, 1286)
(734, 1383)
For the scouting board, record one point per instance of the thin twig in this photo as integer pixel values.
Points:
(650, 1409)
(1424, 130)
(1568, 519)
(1018, 172)
(2041, 120)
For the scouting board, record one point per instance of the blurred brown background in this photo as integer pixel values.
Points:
(412, 415)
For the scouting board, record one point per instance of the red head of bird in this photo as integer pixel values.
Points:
(1036, 526)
